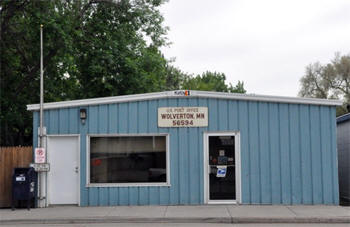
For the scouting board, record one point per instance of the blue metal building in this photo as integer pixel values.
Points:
(190, 147)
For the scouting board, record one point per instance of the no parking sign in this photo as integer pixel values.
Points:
(40, 155)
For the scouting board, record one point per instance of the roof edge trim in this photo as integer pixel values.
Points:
(184, 94)
(343, 118)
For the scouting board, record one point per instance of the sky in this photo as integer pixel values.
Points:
(267, 44)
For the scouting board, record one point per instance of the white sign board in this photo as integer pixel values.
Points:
(183, 117)
(40, 167)
(40, 155)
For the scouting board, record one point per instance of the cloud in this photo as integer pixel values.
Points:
(267, 44)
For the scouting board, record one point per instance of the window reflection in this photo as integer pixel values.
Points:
(138, 159)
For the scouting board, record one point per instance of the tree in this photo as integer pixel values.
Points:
(174, 77)
(328, 81)
(92, 48)
(211, 81)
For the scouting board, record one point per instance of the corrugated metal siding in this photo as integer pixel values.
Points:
(343, 142)
(288, 151)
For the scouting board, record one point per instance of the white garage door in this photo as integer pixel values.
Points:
(63, 177)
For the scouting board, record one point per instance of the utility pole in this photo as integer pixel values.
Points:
(41, 87)
(42, 181)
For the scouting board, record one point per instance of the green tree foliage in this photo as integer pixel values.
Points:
(328, 81)
(174, 78)
(92, 48)
(211, 81)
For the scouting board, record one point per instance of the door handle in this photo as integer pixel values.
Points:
(76, 169)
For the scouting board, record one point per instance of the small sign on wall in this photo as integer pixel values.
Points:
(183, 117)
(39, 155)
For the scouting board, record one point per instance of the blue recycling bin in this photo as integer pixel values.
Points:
(24, 186)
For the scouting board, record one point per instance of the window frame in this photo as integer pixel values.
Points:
(138, 184)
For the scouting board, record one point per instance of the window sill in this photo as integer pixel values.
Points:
(94, 185)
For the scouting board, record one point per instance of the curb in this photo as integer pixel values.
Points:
(228, 220)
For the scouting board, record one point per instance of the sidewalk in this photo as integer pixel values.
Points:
(178, 214)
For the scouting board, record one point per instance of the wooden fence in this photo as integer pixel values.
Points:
(11, 157)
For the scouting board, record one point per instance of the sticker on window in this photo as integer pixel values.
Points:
(221, 172)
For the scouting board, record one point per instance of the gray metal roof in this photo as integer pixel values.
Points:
(185, 94)
(343, 118)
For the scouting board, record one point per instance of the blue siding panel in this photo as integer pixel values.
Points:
(93, 119)
(174, 168)
(164, 195)
(113, 196)
(294, 138)
(123, 196)
(305, 150)
(274, 135)
(223, 114)
(194, 161)
(154, 196)
(103, 197)
(183, 160)
(233, 115)
(102, 116)
(63, 121)
(152, 116)
(133, 196)
(284, 151)
(213, 114)
(123, 117)
(326, 156)
(288, 151)
(46, 121)
(54, 122)
(264, 150)
(254, 153)
(245, 164)
(132, 117)
(113, 119)
(93, 196)
(73, 121)
(316, 154)
(143, 196)
(142, 117)
(174, 165)
(201, 102)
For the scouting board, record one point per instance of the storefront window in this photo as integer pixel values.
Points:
(128, 159)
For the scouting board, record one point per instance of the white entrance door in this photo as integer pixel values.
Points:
(221, 168)
(63, 177)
